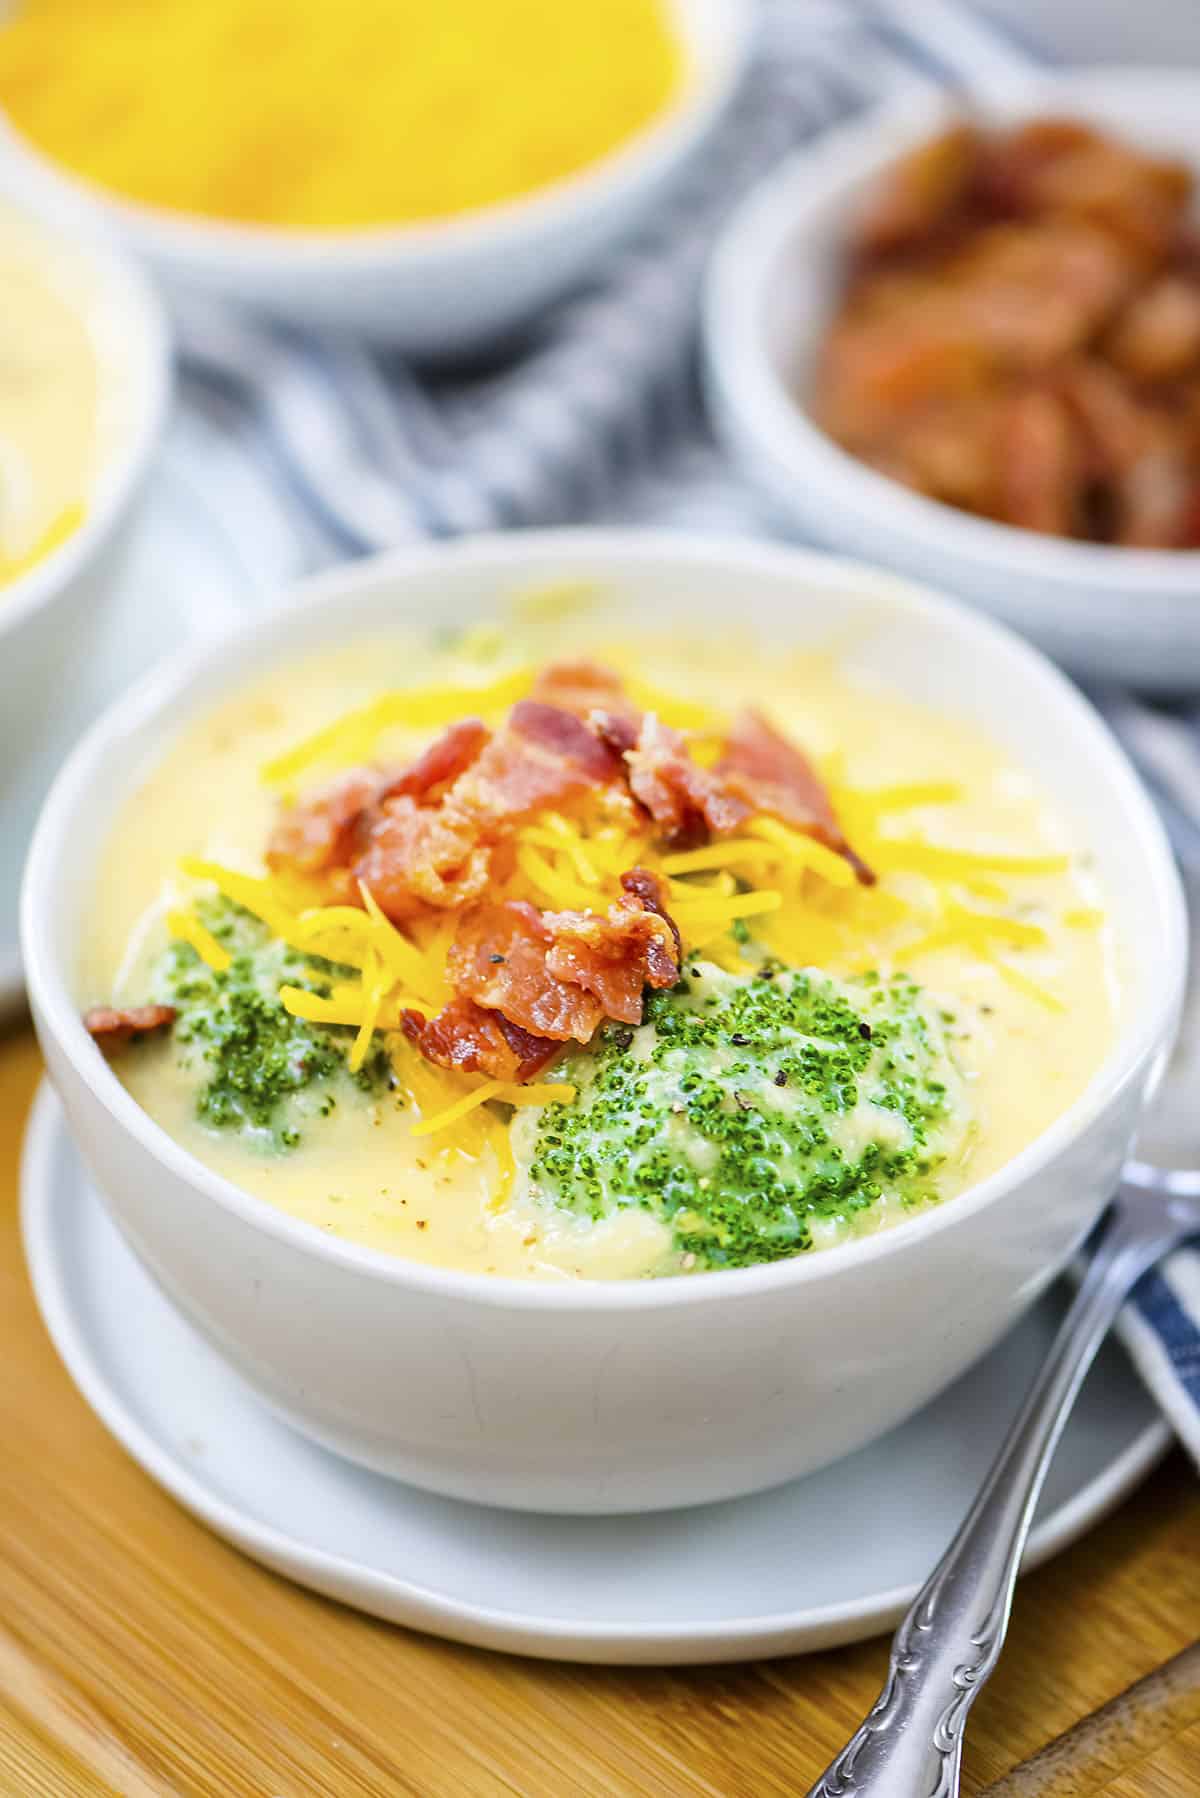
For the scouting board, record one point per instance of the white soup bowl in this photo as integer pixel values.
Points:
(632, 1394)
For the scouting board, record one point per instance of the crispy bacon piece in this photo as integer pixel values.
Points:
(332, 829)
(499, 959)
(1157, 337)
(421, 855)
(1059, 166)
(465, 1037)
(616, 955)
(1039, 462)
(323, 832)
(555, 735)
(877, 372)
(1013, 164)
(583, 687)
(641, 884)
(441, 855)
(947, 452)
(543, 758)
(1138, 452)
(596, 695)
(985, 269)
(764, 772)
(684, 800)
(527, 981)
(1028, 294)
(112, 1029)
(449, 756)
(920, 193)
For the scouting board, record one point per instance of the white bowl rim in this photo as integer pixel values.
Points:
(501, 555)
(158, 230)
(775, 210)
(147, 340)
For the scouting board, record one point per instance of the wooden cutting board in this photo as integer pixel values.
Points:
(140, 1656)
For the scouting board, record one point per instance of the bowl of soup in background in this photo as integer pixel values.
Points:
(87, 361)
(622, 1394)
(775, 284)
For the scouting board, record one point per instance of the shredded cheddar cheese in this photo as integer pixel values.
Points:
(333, 118)
(541, 1093)
(353, 737)
(896, 854)
(805, 852)
(55, 534)
(1022, 982)
(189, 929)
(247, 890)
(506, 1167)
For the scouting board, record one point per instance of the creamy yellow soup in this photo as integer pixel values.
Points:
(982, 901)
(49, 400)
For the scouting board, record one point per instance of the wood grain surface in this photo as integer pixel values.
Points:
(140, 1656)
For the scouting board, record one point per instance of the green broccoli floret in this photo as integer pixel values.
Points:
(260, 1071)
(749, 1107)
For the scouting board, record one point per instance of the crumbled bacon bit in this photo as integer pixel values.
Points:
(417, 856)
(111, 1028)
(442, 855)
(555, 736)
(449, 756)
(617, 954)
(986, 267)
(584, 687)
(921, 192)
(527, 981)
(650, 890)
(684, 800)
(323, 832)
(522, 986)
(465, 1037)
(596, 695)
(767, 773)
(617, 730)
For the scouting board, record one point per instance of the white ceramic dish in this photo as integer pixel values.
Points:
(432, 290)
(624, 1395)
(47, 613)
(803, 1567)
(187, 569)
(1132, 615)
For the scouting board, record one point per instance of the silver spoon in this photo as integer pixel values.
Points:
(910, 1746)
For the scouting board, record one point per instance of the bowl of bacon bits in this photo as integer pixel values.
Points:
(971, 348)
(524, 997)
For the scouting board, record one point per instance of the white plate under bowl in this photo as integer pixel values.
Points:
(184, 571)
(828, 1559)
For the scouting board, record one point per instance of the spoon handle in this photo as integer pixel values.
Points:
(910, 1746)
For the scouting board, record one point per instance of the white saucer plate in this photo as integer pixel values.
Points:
(188, 568)
(826, 1560)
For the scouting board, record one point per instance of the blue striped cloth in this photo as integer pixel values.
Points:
(336, 450)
